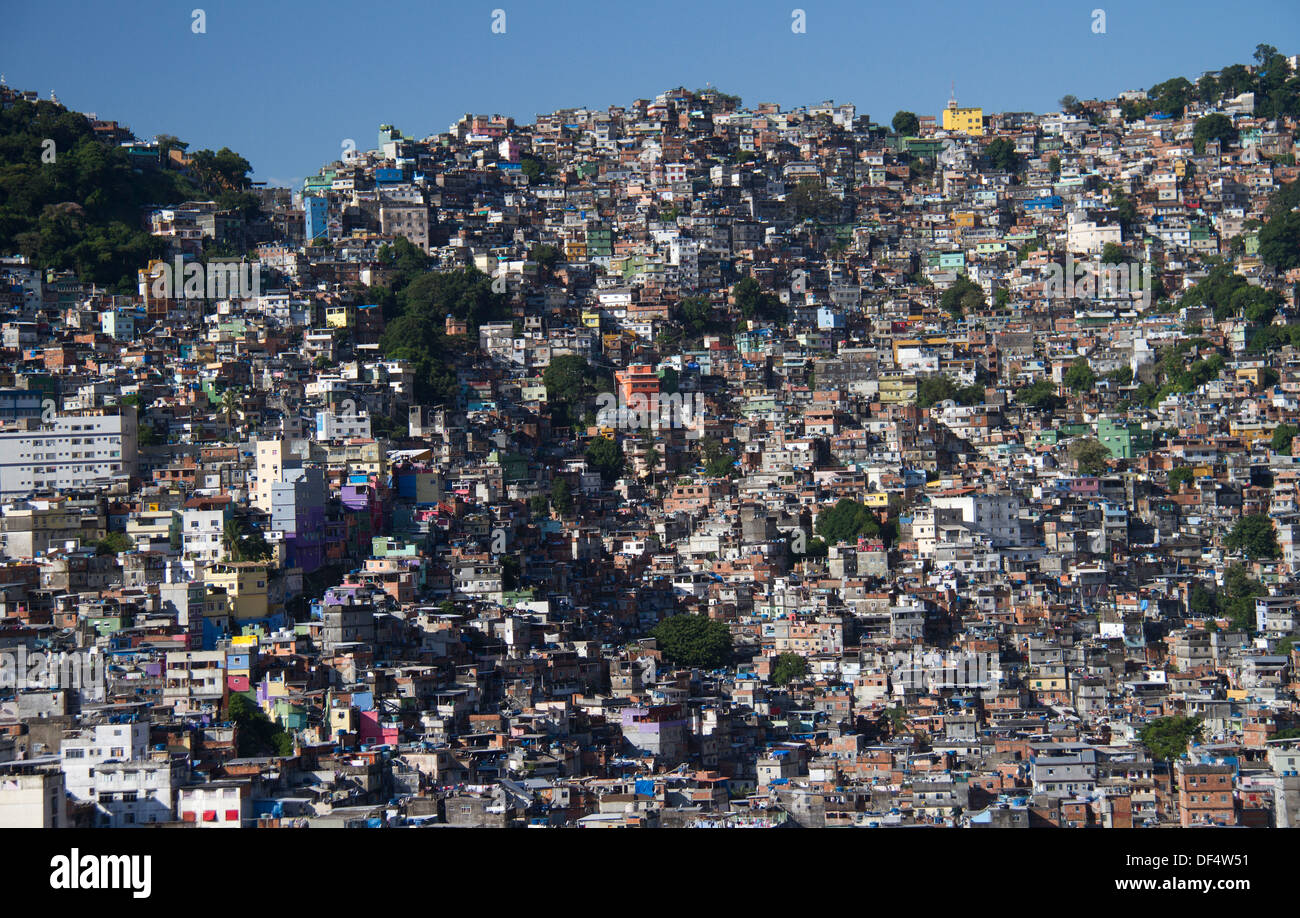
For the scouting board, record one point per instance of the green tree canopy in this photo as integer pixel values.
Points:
(1080, 377)
(1279, 238)
(1040, 394)
(114, 543)
(1213, 127)
(756, 303)
(1002, 155)
(931, 390)
(788, 667)
(963, 297)
(810, 200)
(718, 461)
(561, 497)
(1283, 435)
(848, 520)
(906, 123)
(694, 640)
(1090, 455)
(606, 457)
(1167, 737)
(256, 734)
(1255, 536)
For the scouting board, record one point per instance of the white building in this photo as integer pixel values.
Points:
(194, 680)
(138, 793)
(202, 529)
(995, 515)
(84, 755)
(76, 450)
(34, 800)
(219, 805)
(1085, 237)
(333, 426)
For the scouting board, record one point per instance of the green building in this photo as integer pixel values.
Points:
(1124, 439)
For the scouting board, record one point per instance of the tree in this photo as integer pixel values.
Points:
(1167, 737)
(418, 334)
(849, 519)
(694, 640)
(1255, 536)
(1069, 104)
(256, 734)
(1126, 210)
(1283, 435)
(1202, 602)
(167, 143)
(1179, 477)
(1002, 155)
(1112, 254)
(567, 379)
(606, 457)
(1089, 455)
(114, 543)
(561, 497)
(533, 167)
(1238, 599)
(546, 256)
(964, 296)
(755, 303)
(1080, 377)
(694, 313)
(934, 389)
(718, 462)
(242, 542)
(1121, 377)
(1279, 239)
(906, 123)
(811, 201)
(231, 535)
(255, 547)
(1171, 96)
(788, 666)
(231, 399)
(1041, 395)
(1213, 127)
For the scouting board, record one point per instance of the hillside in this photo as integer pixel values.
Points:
(84, 210)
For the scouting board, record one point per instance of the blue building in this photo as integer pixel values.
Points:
(315, 217)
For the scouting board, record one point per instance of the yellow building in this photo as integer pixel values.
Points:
(365, 457)
(340, 316)
(968, 121)
(242, 586)
(897, 390)
(1250, 432)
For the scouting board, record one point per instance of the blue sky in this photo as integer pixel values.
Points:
(285, 83)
